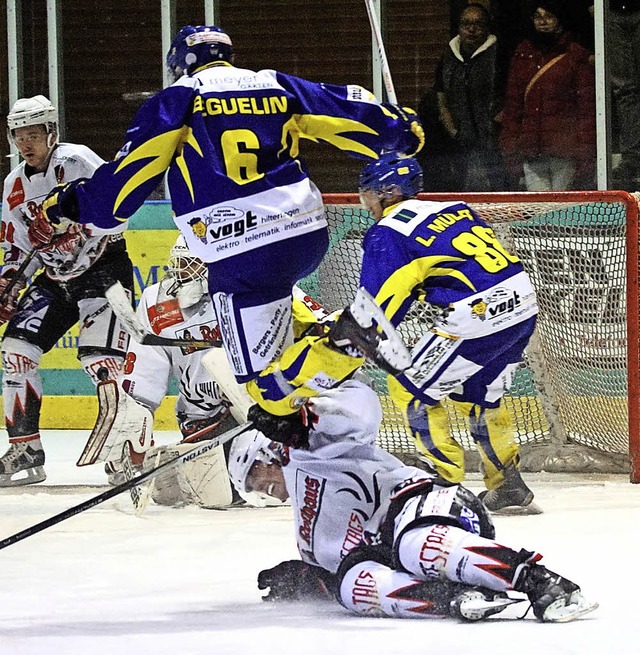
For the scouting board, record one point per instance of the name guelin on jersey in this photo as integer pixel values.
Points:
(240, 105)
(310, 506)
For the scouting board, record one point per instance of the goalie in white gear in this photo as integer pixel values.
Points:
(79, 262)
(386, 538)
(179, 307)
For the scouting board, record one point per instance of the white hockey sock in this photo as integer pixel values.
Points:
(373, 589)
(460, 556)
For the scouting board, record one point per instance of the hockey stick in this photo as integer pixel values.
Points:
(197, 451)
(121, 305)
(382, 55)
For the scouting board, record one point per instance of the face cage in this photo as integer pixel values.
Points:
(183, 270)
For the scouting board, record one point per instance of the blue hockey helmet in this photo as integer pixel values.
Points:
(390, 172)
(196, 46)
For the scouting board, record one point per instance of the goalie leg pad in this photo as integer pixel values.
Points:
(120, 420)
(203, 481)
(99, 367)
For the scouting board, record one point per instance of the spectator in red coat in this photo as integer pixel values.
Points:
(548, 124)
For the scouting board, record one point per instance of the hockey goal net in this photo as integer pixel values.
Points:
(574, 400)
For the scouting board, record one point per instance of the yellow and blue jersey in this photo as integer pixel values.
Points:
(229, 138)
(446, 255)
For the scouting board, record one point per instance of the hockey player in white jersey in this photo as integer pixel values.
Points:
(388, 539)
(179, 307)
(79, 263)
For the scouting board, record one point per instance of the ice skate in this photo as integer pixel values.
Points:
(363, 330)
(554, 599)
(478, 604)
(511, 497)
(115, 473)
(27, 456)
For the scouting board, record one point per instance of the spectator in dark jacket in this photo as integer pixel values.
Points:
(623, 54)
(548, 127)
(468, 93)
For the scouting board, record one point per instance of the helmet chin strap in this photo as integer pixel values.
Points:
(52, 142)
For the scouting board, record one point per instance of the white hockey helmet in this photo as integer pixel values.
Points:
(187, 274)
(247, 449)
(33, 111)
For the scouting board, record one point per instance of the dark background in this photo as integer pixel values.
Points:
(113, 47)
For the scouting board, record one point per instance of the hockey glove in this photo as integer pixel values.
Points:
(40, 232)
(62, 202)
(297, 580)
(291, 430)
(413, 127)
(10, 288)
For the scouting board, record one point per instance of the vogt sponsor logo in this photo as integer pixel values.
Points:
(498, 303)
(232, 227)
(223, 223)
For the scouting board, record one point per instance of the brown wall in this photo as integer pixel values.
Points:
(112, 48)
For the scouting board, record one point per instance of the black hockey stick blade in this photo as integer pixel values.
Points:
(196, 451)
(121, 305)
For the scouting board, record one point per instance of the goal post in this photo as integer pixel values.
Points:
(575, 398)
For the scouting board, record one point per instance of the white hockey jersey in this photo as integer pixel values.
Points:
(24, 191)
(341, 487)
(148, 370)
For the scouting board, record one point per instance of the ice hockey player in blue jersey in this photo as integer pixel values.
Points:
(442, 253)
(445, 255)
(229, 138)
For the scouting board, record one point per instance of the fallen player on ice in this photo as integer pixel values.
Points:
(384, 538)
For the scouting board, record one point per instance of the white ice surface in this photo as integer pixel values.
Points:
(182, 581)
